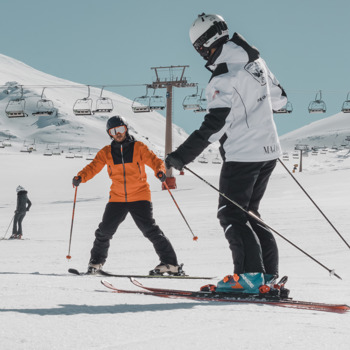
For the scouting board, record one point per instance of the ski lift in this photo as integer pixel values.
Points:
(78, 154)
(44, 108)
(83, 106)
(346, 105)
(157, 102)
(15, 107)
(141, 104)
(57, 151)
(103, 104)
(25, 148)
(70, 155)
(317, 106)
(203, 159)
(48, 151)
(216, 160)
(288, 108)
(90, 156)
(191, 102)
(202, 104)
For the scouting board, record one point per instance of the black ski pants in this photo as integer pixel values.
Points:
(253, 248)
(17, 223)
(142, 213)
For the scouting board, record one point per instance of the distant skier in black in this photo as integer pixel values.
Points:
(23, 205)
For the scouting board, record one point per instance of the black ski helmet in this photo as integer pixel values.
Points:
(115, 121)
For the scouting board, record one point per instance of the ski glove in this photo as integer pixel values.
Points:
(76, 181)
(173, 160)
(161, 176)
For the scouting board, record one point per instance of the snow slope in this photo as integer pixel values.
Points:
(328, 132)
(42, 306)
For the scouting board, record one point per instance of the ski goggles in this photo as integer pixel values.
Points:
(117, 130)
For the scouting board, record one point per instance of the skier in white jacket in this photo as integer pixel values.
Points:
(241, 96)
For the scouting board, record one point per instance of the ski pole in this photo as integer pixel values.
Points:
(263, 225)
(8, 227)
(195, 238)
(315, 204)
(71, 227)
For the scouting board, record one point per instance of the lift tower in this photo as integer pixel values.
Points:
(175, 78)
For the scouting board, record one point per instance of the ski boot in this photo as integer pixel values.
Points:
(168, 269)
(246, 283)
(94, 268)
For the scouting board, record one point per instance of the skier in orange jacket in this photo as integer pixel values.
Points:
(130, 193)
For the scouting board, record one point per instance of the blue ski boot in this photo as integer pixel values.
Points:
(243, 283)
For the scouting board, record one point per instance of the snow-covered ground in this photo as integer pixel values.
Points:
(42, 306)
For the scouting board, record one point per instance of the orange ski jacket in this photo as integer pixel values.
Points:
(126, 168)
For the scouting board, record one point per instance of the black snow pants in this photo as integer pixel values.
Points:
(253, 248)
(142, 213)
(17, 223)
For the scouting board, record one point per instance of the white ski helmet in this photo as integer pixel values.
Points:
(207, 32)
(20, 188)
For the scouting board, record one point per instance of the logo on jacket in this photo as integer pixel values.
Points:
(271, 149)
(255, 70)
(215, 94)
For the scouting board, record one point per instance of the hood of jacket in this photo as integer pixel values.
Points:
(236, 50)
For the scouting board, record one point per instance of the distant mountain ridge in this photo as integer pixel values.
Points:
(329, 132)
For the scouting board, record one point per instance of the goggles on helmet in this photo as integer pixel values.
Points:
(216, 28)
(117, 130)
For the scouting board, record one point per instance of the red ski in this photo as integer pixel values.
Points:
(224, 297)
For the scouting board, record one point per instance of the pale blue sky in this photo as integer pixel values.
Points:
(304, 42)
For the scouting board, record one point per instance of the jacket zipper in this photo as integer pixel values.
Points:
(139, 168)
(121, 151)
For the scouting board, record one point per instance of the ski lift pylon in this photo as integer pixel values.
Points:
(15, 107)
(317, 106)
(44, 107)
(103, 104)
(346, 105)
(83, 106)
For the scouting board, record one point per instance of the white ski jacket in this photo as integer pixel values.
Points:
(241, 96)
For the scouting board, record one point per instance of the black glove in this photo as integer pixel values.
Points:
(76, 181)
(161, 176)
(172, 160)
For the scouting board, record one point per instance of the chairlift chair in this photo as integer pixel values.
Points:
(103, 104)
(15, 107)
(44, 107)
(157, 103)
(288, 108)
(191, 103)
(141, 104)
(202, 103)
(317, 106)
(83, 106)
(48, 151)
(216, 160)
(346, 105)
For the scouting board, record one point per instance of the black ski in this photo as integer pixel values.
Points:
(108, 274)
